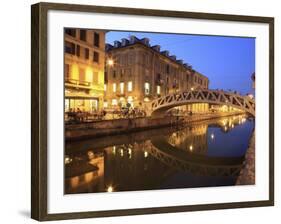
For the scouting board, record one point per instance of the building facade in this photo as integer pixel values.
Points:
(137, 73)
(84, 69)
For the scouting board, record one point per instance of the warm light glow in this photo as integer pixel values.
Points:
(191, 88)
(114, 87)
(89, 75)
(158, 90)
(105, 104)
(105, 87)
(122, 152)
(114, 102)
(146, 88)
(110, 62)
(130, 86)
(110, 189)
(114, 149)
(191, 147)
(91, 155)
(121, 87)
(67, 160)
(251, 96)
(145, 154)
(146, 99)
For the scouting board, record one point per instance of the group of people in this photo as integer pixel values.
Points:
(129, 112)
(78, 115)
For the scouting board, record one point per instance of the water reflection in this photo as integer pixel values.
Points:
(209, 153)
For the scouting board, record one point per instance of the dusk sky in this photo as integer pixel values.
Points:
(228, 62)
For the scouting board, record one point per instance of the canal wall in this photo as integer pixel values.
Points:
(247, 174)
(117, 126)
(120, 126)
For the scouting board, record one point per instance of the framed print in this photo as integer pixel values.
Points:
(138, 111)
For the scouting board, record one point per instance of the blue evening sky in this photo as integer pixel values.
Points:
(228, 62)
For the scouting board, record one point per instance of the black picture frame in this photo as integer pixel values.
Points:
(39, 108)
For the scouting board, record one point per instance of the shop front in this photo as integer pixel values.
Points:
(84, 104)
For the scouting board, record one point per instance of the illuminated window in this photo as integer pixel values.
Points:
(114, 102)
(158, 90)
(130, 86)
(105, 86)
(121, 87)
(105, 104)
(146, 88)
(114, 87)
(130, 101)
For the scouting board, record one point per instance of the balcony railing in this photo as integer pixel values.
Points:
(77, 82)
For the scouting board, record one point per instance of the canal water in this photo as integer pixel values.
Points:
(203, 154)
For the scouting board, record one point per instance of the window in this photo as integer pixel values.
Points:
(146, 88)
(86, 53)
(167, 69)
(130, 101)
(71, 32)
(122, 87)
(105, 87)
(158, 90)
(96, 57)
(81, 75)
(78, 50)
(69, 48)
(130, 86)
(114, 87)
(67, 71)
(114, 102)
(96, 39)
(129, 72)
(95, 77)
(83, 35)
(122, 71)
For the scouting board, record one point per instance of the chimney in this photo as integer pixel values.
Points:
(124, 42)
(108, 47)
(117, 44)
(173, 57)
(166, 53)
(156, 48)
(133, 39)
(180, 61)
(145, 41)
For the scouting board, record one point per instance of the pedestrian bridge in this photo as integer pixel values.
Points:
(162, 104)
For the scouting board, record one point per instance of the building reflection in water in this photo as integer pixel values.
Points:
(156, 159)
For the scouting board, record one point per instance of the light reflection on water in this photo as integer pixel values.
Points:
(204, 154)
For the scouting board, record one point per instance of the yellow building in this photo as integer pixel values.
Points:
(84, 69)
(137, 73)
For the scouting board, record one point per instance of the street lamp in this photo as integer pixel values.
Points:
(110, 62)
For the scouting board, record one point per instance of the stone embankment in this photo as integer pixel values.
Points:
(247, 174)
(118, 126)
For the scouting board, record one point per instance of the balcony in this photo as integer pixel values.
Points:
(77, 83)
(120, 94)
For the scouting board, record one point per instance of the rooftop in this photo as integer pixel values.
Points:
(145, 42)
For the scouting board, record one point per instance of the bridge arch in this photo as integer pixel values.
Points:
(160, 105)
